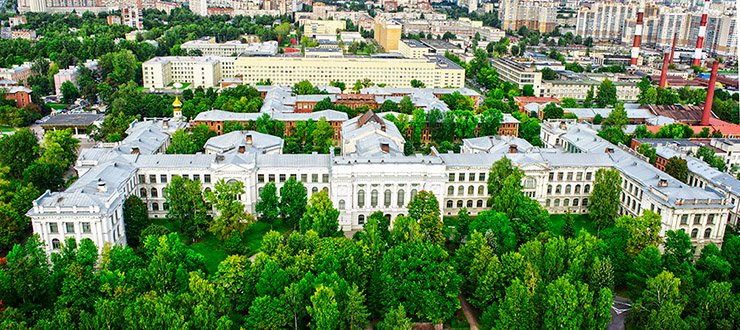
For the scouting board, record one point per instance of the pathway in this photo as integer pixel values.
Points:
(468, 311)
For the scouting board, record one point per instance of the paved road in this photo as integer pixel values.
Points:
(467, 310)
(620, 310)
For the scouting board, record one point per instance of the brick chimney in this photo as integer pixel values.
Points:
(242, 149)
(248, 139)
(513, 149)
(135, 150)
(101, 186)
(664, 70)
(707, 114)
(673, 48)
(385, 147)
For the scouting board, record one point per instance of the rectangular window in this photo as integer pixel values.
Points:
(471, 177)
(186, 176)
(697, 219)
(552, 176)
(685, 219)
(163, 178)
(86, 227)
(53, 228)
(207, 178)
(152, 178)
(710, 219)
(293, 176)
(69, 227)
(482, 177)
(579, 176)
(196, 177)
(271, 177)
(260, 178)
(282, 177)
(314, 178)
(461, 177)
(570, 176)
(304, 178)
(588, 176)
(325, 178)
(452, 177)
(142, 178)
(560, 176)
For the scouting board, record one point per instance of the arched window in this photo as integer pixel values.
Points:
(471, 190)
(481, 190)
(558, 189)
(142, 192)
(469, 204)
(314, 190)
(586, 189)
(547, 203)
(413, 193)
(402, 195)
(387, 198)
(361, 219)
(567, 189)
(549, 189)
(694, 233)
(154, 192)
(206, 190)
(708, 233)
(459, 204)
(155, 207)
(460, 190)
(361, 198)
(326, 189)
(449, 204)
(479, 203)
(585, 202)
(55, 244)
(529, 183)
(566, 202)
(575, 201)
(374, 198)
(165, 206)
(450, 191)
(578, 189)
(557, 202)
(341, 204)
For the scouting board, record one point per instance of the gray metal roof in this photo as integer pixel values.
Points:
(73, 119)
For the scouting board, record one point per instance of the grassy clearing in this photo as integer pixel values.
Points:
(57, 106)
(580, 221)
(213, 250)
(6, 129)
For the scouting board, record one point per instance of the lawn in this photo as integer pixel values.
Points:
(6, 129)
(57, 106)
(580, 221)
(212, 249)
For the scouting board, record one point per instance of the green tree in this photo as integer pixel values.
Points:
(549, 74)
(119, 67)
(304, 87)
(617, 118)
(395, 319)
(678, 249)
(642, 231)
(25, 279)
(355, 313)
(517, 310)
(322, 136)
(568, 230)
(552, 111)
(606, 94)
(136, 218)
(561, 299)
(293, 201)
(231, 216)
(181, 143)
(69, 92)
(415, 83)
(324, 309)
(18, 151)
(321, 216)
(268, 204)
(604, 201)
(187, 207)
(422, 204)
(677, 168)
(661, 304)
(463, 222)
(588, 101)
(406, 106)
(497, 229)
(500, 170)
(267, 313)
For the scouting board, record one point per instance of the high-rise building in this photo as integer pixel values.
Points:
(605, 21)
(199, 7)
(131, 16)
(387, 34)
(536, 15)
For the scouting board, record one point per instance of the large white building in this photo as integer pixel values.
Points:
(160, 72)
(372, 175)
(209, 47)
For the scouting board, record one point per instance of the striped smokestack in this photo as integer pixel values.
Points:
(710, 95)
(638, 33)
(702, 34)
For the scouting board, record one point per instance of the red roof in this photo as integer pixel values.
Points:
(535, 99)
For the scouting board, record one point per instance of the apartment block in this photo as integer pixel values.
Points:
(519, 73)
(387, 34)
(313, 28)
(160, 72)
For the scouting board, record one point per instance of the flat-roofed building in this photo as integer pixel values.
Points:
(387, 34)
(412, 48)
(434, 71)
(209, 47)
(160, 72)
(521, 74)
(312, 27)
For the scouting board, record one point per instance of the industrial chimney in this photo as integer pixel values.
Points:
(664, 70)
(710, 95)
(638, 34)
(702, 34)
(673, 48)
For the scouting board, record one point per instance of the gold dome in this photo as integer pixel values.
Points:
(177, 103)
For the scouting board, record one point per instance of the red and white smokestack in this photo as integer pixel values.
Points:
(673, 48)
(664, 71)
(638, 33)
(702, 34)
(710, 95)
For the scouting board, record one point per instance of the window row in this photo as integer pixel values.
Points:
(698, 219)
(568, 176)
(469, 204)
(284, 177)
(69, 227)
(461, 190)
(164, 178)
(567, 189)
(695, 232)
(470, 177)
(567, 202)
(387, 195)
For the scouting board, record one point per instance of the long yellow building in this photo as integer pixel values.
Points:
(387, 34)
(393, 72)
